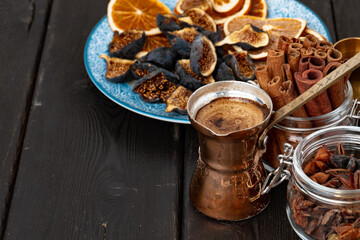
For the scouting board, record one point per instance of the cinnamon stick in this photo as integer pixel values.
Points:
(263, 76)
(319, 105)
(324, 45)
(286, 72)
(293, 57)
(311, 63)
(320, 53)
(316, 63)
(303, 64)
(310, 41)
(295, 46)
(274, 61)
(289, 93)
(274, 92)
(307, 52)
(294, 40)
(283, 43)
(337, 91)
(333, 55)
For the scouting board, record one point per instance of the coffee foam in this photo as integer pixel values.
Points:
(228, 114)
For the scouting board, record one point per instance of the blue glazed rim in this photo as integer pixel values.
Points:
(147, 114)
(111, 97)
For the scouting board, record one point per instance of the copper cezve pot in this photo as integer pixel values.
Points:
(229, 175)
(229, 182)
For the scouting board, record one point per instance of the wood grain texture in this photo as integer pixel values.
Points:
(23, 25)
(91, 169)
(346, 18)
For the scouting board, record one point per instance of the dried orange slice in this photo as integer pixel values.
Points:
(229, 7)
(183, 5)
(128, 14)
(276, 27)
(221, 18)
(258, 8)
(155, 41)
(152, 42)
(290, 27)
(310, 31)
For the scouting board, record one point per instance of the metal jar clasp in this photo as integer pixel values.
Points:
(282, 173)
(355, 110)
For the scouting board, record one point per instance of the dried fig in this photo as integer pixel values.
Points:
(127, 43)
(203, 56)
(117, 69)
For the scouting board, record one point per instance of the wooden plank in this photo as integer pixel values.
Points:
(346, 16)
(23, 25)
(91, 169)
(272, 223)
(324, 10)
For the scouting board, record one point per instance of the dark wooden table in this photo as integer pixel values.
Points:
(74, 165)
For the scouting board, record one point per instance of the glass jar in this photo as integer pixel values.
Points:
(292, 129)
(316, 211)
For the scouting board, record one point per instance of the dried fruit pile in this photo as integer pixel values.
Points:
(195, 50)
(275, 28)
(334, 170)
(221, 10)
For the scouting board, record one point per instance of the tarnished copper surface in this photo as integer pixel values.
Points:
(228, 178)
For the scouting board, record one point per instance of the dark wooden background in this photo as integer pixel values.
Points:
(74, 165)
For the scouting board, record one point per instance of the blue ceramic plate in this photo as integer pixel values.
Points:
(121, 93)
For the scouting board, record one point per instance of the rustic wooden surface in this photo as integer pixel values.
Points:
(22, 32)
(74, 165)
(346, 18)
